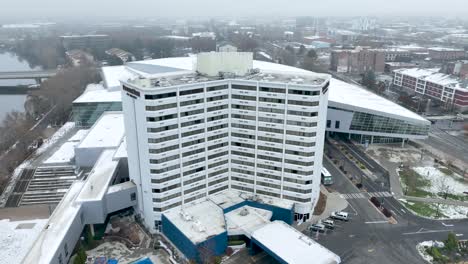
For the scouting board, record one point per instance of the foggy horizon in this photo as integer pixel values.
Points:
(218, 8)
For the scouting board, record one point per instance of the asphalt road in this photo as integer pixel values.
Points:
(369, 238)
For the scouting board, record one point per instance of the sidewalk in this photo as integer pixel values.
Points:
(334, 203)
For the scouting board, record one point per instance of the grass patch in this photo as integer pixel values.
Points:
(454, 197)
(413, 183)
(424, 209)
(236, 242)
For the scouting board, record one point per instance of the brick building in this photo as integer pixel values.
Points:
(357, 61)
(430, 82)
(445, 54)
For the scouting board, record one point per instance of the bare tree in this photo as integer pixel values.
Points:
(443, 187)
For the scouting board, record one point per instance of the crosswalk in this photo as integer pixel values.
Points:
(365, 195)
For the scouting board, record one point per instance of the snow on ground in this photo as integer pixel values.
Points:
(435, 176)
(17, 237)
(453, 211)
(421, 247)
(55, 137)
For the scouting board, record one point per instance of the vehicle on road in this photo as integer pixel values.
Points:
(328, 223)
(327, 179)
(343, 216)
(317, 227)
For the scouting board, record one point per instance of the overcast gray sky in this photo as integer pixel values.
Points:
(241, 8)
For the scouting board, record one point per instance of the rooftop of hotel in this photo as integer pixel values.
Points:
(292, 246)
(157, 73)
(340, 92)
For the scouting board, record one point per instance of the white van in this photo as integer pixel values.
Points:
(343, 216)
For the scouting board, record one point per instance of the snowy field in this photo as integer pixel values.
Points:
(435, 211)
(454, 182)
(17, 237)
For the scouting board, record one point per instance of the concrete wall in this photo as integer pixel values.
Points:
(69, 241)
(86, 157)
(121, 199)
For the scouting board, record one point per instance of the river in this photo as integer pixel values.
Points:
(12, 102)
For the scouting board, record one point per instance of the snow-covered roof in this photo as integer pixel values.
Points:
(444, 49)
(99, 178)
(121, 186)
(97, 93)
(113, 74)
(51, 237)
(64, 154)
(341, 94)
(16, 237)
(350, 96)
(228, 198)
(292, 246)
(121, 151)
(246, 219)
(434, 76)
(198, 221)
(107, 132)
(79, 135)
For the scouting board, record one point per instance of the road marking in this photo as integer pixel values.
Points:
(376, 222)
(444, 224)
(426, 232)
(459, 235)
(355, 212)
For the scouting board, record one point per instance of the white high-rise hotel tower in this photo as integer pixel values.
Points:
(224, 125)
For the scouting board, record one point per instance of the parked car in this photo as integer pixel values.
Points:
(343, 216)
(328, 223)
(317, 227)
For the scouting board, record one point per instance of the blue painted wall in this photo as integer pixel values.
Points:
(285, 215)
(217, 244)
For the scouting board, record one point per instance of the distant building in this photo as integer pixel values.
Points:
(391, 66)
(458, 68)
(123, 55)
(430, 82)
(203, 41)
(357, 61)
(445, 54)
(227, 48)
(398, 55)
(78, 57)
(100, 42)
